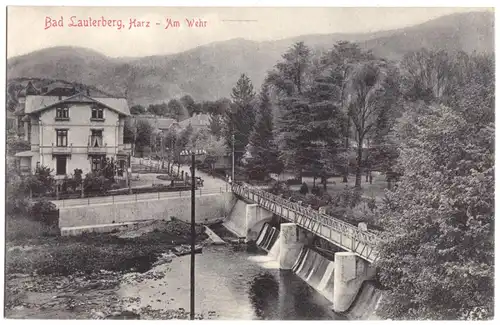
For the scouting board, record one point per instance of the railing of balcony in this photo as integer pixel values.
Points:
(62, 150)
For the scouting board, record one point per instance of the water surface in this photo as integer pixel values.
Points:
(234, 285)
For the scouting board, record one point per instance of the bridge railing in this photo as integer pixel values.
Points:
(327, 220)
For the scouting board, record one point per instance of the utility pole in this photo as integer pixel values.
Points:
(232, 173)
(348, 126)
(193, 233)
(193, 220)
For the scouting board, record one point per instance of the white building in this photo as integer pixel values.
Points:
(69, 130)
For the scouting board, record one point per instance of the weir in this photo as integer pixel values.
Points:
(343, 280)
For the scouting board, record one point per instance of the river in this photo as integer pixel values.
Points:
(232, 285)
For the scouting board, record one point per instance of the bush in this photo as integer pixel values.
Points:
(45, 212)
(280, 188)
(95, 183)
(317, 191)
(304, 189)
(348, 198)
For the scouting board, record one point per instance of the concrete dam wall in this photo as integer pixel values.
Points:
(246, 220)
(319, 272)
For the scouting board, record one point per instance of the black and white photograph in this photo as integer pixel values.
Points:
(249, 163)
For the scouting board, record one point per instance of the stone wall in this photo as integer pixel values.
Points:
(208, 207)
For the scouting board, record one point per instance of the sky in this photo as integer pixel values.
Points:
(28, 28)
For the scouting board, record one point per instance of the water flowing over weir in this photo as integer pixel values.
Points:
(318, 272)
(268, 237)
(268, 240)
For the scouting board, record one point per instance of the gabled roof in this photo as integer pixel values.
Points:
(165, 123)
(36, 104)
(196, 120)
(28, 90)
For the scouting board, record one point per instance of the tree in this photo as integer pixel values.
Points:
(204, 140)
(427, 75)
(129, 130)
(169, 141)
(371, 90)
(158, 109)
(216, 125)
(137, 110)
(290, 75)
(176, 110)
(217, 107)
(264, 156)
(290, 79)
(473, 87)
(182, 142)
(438, 262)
(144, 131)
(188, 102)
(336, 65)
(240, 118)
(16, 144)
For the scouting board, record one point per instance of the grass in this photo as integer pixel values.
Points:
(335, 185)
(21, 230)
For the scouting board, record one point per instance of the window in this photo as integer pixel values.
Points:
(121, 168)
(96, 138)
(96, 163)
(62, 113)
(61, 165)
(29, 132)
(97, 113)
(62, 138)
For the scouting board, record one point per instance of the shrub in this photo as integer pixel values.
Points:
(95, 183)
(317, 191)
(41, 182)
(17, 201)
(45, 212)
(304, 189)
(280, 188)
(348, 198)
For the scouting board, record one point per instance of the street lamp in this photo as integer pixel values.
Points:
(192, 153)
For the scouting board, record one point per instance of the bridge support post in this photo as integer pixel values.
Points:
(291, 242)
(254, 214)
(350, 273)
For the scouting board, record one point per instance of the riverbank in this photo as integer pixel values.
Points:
(51, 277)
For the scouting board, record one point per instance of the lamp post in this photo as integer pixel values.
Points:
(192, 153)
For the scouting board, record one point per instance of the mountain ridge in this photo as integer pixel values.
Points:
(209, 71)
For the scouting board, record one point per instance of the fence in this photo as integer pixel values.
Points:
(112, 199)
(334, 230)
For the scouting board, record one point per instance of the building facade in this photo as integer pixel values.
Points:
(197, 122)
(70, 130)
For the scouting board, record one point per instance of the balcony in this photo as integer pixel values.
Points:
(97, 150)
(95, 145)
(62, 150)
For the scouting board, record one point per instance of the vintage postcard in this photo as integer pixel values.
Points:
(249, 163)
